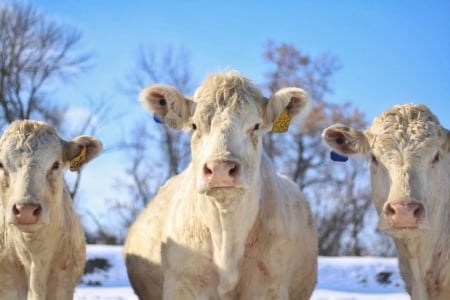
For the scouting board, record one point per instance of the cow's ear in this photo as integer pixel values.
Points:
(167, 105)
(285, 105)
(81, 150)
(346, 140)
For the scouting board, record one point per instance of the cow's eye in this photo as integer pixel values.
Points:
(56, 165)
(193, 126)
(253, 129)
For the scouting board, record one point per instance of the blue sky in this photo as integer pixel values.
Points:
(391, 52)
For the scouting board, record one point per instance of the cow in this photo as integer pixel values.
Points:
(42, 243)
(228, 226)
(408, 151)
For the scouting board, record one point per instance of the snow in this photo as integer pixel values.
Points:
(340, 278)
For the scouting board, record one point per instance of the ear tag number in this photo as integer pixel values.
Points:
(77, 161)
(282, 124)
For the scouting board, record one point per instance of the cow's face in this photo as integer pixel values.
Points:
(227, 129)
(410, 164)
(32, 160)
(227, 118)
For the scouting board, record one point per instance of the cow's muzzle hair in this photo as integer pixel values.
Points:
(221, 173)
(404, 215)
(26, 213)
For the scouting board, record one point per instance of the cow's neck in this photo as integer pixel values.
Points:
(37, 241)
(435, 249)
(230, 220)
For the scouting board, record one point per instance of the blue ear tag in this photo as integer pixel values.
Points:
(337, 157)
(157, 120)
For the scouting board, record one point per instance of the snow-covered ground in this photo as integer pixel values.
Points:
(340, 278)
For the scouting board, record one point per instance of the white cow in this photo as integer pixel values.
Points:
(42, 245)
(408, 151)
(227, 227)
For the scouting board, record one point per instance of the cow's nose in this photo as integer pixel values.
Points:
(27, 213)
(219, 173)
(403, 214)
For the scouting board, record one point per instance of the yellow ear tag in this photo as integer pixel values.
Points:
(282, 124)
(77, 161)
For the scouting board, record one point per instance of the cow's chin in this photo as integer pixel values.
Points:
(222, 194)
(29, 228)
(406, 233)
(402, 233)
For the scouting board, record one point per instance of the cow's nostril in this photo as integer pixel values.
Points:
(26, 213)
(207, 170)
(404, 214)
(222, 171)
(419, 211)
(19, 209)
(16, 210)
(37, 211)
(389, 210)
(234, 171)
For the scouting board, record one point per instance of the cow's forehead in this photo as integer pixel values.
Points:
(407, 127)
(232, 105)
(226, 89)
(226, 93)
(29, 138)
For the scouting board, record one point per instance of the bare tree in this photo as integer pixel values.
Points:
(35, 52)
(168, 65)
(290, 67)
(154, 152)
(87, 120)
(339, 193)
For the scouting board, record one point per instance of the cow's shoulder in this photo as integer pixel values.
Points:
(155, 215)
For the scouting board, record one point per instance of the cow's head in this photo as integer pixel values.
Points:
(227, 118)
(32, 160)
(408, 152)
